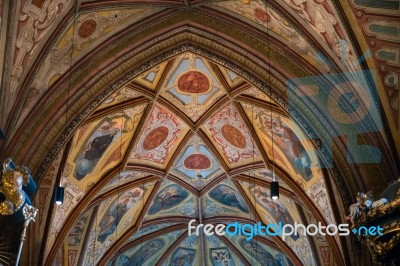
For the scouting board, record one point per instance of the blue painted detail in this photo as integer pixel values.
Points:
(194, 173)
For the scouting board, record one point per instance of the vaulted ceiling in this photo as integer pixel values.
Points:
(154, 113)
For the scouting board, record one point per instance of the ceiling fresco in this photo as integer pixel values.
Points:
(197, 165)
(192, 86)
(162, 133)
(154, 113)
(228, 130)
(193, 169)
(284, 211)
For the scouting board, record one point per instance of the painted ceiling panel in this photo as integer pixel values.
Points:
(228, 131)
(151, 78)
(232, 78)
(218, 254)
(143, 231)
(148, 252)
(292, 151)
(100, 145)
(73, 245)
(287, 144)
(282, 210)
(114, 217)
(224, 200)
(192, 85)
(120, 179)
(172, 200)
(259, 254)
(160, 137)
(96, 147)
(196, 165)
(187, 253)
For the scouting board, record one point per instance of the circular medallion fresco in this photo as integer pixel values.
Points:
(197, 162)
(155, 138)
(233, 136)
(87, 28)
(193, 82)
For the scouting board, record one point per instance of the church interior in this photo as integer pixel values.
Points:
(123, 120)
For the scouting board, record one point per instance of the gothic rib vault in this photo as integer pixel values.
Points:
(164, 115)
(199, 150)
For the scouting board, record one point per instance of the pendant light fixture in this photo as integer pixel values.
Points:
(274, 185)
(59, 196)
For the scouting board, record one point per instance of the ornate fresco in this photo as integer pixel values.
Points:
(224, 199)
(162, 133)
(197, 165)
(192, 162)
(258, 253)
(171, 200)
(191, 85)
(154, 113)
(115, 216)
(283, 210)
(228, 130)
(119, 96)
(147, 252)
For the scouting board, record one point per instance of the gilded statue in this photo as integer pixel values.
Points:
(12, 180)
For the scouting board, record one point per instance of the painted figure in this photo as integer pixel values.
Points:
(290, 145)
(274, 208)
(115, 212)
(193, 82)
(167, 198)
(229, 197)
(96, 147)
